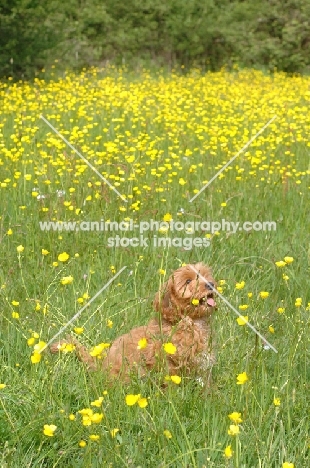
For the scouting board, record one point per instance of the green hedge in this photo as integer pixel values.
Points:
(267, 34)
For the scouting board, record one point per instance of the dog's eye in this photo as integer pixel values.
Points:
(188, 281)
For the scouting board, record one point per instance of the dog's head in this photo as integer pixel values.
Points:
(188, 292)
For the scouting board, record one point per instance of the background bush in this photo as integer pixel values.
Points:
(267, 34)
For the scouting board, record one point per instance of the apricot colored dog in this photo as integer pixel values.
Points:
(184, 307)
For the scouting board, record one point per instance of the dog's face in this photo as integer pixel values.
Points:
(188, 292)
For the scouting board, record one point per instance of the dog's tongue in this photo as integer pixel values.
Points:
(211, 302)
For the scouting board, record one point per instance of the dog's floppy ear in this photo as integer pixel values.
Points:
(162, 298)
(166, 300)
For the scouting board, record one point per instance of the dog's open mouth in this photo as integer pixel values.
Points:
(208, 299)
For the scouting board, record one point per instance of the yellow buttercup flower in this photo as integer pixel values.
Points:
(298, 302)
(20, 248)
(63, 257)
(113, 432)
(97, 418)
(66, 347)
(31, 341)
(142, 402)
(36, 358)
(235, 417)
(142, 343)
(169, 348)
(132, 399)
(99, 349)
(39, 346)
(66, 280)
(228, 452)
(288, 260)
(242, 378)
(175, 379)
(233, 430)
(49, 430)
(242, 320)
(167, 217)
(97, 403)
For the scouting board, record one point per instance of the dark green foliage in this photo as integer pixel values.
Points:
(29, 29)
(267, 34)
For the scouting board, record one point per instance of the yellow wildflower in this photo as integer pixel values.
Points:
(49, 429)
(233, 430)
(142, 343)
(132, 399)
(228, 453)
(175, 379)
(66, 280)
(242, 320)
(63, 257)
(242, 378)
(235, 417)
(169, 348)
(288, 259)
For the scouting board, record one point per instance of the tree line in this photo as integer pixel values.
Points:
(268, 34)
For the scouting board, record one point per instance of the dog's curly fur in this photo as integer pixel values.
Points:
(186, 325)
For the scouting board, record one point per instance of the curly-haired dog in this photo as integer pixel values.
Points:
(184, 304)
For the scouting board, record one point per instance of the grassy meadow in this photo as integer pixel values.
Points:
(157, 138)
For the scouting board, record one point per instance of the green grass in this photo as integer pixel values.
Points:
(46, 393)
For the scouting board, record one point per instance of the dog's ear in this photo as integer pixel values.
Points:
(162, 298)
(166, 300)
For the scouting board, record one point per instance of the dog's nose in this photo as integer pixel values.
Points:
(209, 286)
